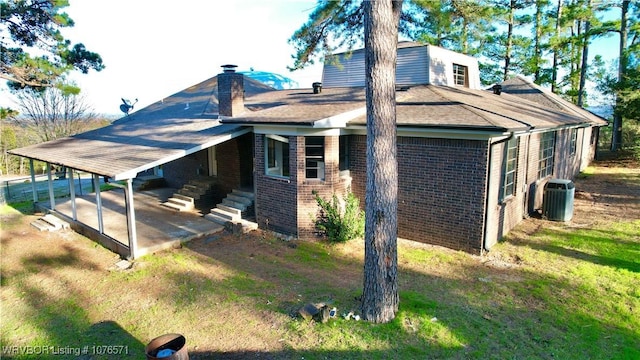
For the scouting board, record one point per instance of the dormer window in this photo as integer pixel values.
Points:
(460, 75)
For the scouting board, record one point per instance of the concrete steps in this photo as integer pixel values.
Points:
(229, 212)
(180, 203)
(185, 198)
(49, 222)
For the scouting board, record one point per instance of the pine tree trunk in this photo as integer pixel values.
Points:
(554, 74)
(537, 48)
(616, 134)
(585, 63)
(380, 293)
(509, 44)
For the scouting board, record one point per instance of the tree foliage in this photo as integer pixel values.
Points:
(33, 52)
(548, 40)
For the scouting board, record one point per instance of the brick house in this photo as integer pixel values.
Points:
(472, 163)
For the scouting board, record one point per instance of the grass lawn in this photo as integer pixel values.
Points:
(549, 291)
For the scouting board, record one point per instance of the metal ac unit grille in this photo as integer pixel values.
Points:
(557, 202)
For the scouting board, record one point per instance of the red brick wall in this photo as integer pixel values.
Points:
(288, 205)
(504, 213)
(332, 184)
(228, 159)
(441, 189)
(442, 194)
(276, 198)
(180, 171)
(566, 166)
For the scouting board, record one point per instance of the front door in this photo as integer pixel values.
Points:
(213, 163)
(245, 147)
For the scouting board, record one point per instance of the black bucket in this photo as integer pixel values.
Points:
(167, 347)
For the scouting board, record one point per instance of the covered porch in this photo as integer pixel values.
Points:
(157, 227)
(130, 223)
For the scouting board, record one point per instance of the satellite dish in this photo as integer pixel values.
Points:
(127, 105)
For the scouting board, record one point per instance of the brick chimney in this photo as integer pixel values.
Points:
(230, 91)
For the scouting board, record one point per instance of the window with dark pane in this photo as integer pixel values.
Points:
(343, 156)
(314, 157)
(546, 155)
(277, 155)
(510, 169)
(573, 145)
(460, 75)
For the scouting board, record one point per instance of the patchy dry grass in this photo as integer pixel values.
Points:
(550, 291)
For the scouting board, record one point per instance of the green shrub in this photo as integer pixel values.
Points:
(338, 223)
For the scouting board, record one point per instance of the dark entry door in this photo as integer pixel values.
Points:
(245, 144)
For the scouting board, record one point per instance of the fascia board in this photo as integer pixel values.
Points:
(340, 120)
(290, 130)
(437, 133)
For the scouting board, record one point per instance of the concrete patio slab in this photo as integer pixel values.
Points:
(158, 228)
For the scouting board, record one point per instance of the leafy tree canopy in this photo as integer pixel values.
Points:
(33, 52)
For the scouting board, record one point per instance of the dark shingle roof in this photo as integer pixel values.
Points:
(188, 121)
(299, 106)
(523, 88)
(163, 131)
(417, 106)
(120, 151)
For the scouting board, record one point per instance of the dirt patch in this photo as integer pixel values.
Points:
(607, 191)
(196, 287)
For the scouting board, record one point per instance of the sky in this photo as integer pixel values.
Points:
(154, 48)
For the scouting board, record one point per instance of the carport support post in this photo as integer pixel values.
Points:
(52, 199)
(96, 185)
(33, 182)
(131, 219)
(72, 193)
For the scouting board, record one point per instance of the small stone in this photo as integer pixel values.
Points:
(308, 311)
(123, 265)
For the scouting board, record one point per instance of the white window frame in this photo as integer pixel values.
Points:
(546, 158)
(510, 169)
(277, 167)
(573, 142)
(460, 78)
(314, 157)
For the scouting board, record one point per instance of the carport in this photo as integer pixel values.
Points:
(118, 153)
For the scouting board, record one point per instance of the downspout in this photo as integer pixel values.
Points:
(487, 188)
(526, 179)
